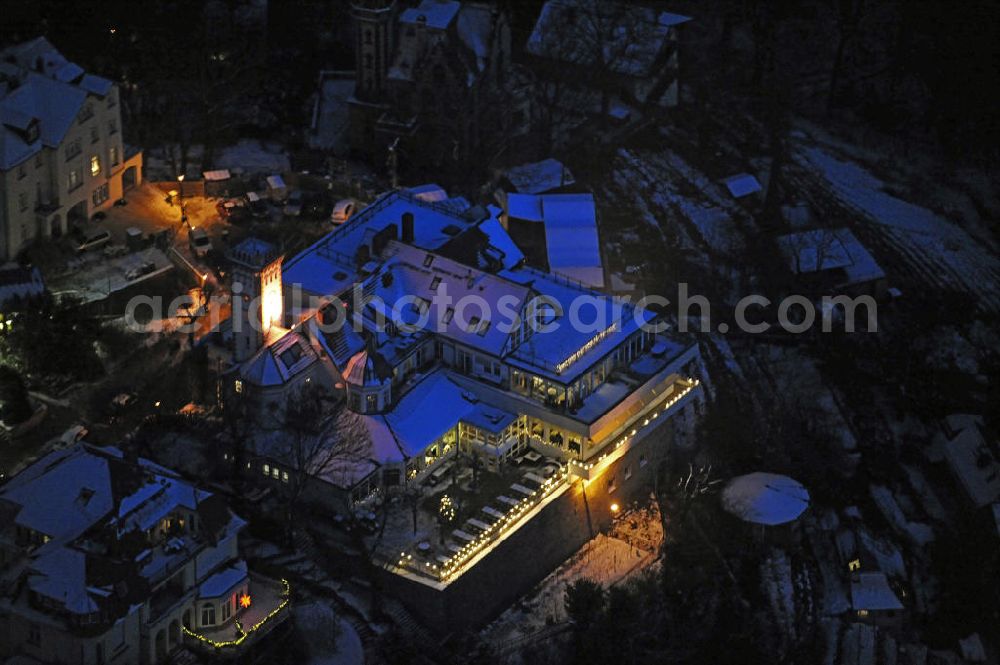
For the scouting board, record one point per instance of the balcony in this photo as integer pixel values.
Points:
(269, 600)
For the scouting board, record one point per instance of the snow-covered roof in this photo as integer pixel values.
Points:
(742, 184)
(571, 239)
(666, 18)
(475, 28)
(96, 85)
(49, 89)
(820, 250)
(565, 351)
(429, 192)
(254, 252)
(501, 240)
(525, 206)
(224, 581)
(367, 369)
(425, 413)
(410, 279)
(77, 490)
(436, 14)
(328, 266)
(216, 175)
(90, 493)
(765, 498)
(278, 363)
(539, 177)
(971, 458)
(871, 592)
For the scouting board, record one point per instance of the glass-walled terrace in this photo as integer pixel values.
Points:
(558, 395)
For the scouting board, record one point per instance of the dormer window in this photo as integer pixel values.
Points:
(483, 327)
(428, 260)
(449, 314)
(31, 132)
(435, 283)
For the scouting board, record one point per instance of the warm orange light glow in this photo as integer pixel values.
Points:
(245, 600)
(271, 301)
(614, 507)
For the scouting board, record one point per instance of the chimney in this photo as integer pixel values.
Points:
(407, 232)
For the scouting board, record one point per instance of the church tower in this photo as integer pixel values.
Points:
(374, 32)
(258, 301)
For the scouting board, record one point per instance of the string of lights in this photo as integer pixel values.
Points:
(244, 634)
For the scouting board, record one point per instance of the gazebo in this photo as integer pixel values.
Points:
(765, 499)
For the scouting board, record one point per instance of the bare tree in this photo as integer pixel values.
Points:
(849, 15)
(315, 436)
(583, 46)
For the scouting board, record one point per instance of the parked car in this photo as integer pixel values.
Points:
(201, 245)
(227, 207)
(293, 204)
(342, 211)
(93, 240)
(257, 205)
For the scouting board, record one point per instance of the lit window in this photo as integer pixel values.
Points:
(428, 260)
(238, 386)
(449, 314)
(435, 283)
(483, 327)
(114, 155)
(95, 165)
(267, 469)
(854, 565)
(274, 472)
(284, 477)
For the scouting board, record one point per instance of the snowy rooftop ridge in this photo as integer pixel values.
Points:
(49, 89)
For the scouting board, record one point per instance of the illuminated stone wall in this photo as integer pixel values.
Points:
(540, 545)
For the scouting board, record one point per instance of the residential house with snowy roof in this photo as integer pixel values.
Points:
(432, 76)
(62, 156)
(110, 558)
(607, 58)
(445, 347)
(832, 262)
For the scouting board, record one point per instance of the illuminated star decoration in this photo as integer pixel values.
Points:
(245, 600)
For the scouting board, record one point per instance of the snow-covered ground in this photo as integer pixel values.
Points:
(331, 115)
(608, 560)
(328, 639)
(670, 194)
(254, 157)
(931, 249)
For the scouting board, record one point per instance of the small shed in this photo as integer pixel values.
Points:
(276, 189)
(217, 182)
